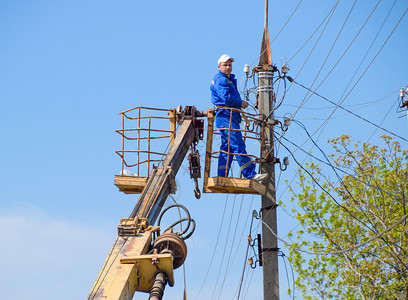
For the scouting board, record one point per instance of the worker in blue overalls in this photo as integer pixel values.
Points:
(224, 95)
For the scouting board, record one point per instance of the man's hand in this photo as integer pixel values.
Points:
(244, 104)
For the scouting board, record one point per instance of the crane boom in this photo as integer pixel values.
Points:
(120, 276)
(161, 181)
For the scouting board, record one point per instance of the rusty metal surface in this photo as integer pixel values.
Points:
(247, 133)
(208, 148)
(265, 57)
(146, 133)
(161, 180)
(171, 243)
(116, 280)
(119, 280)
(178, 151)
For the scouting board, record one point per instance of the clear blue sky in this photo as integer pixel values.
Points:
(67, 68)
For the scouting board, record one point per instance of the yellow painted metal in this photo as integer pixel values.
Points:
(116, 280)
(147, 266)
(128, 268)
(133, 226)
(172, 115)
(225, 184)
(234, 186)
(130, 184)
(207, 167)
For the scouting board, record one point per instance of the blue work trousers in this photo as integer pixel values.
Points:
(236, 145)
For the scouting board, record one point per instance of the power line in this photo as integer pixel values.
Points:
(347, 110)
(327, 56)
(232, 246)
(331, 12)
(224, 251)
(341, 170)
(362, 211)
(287, 276)
(368, 103)
(371, 45)
(344, 52)
(284, 25)
(215, 247)
(330, 195)
(338, 177)
(382, 121)
(310, 37)
(344, 250)
(358, 80)
(245, 262)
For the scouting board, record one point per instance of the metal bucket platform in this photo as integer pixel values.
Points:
(231, 185)
(234, 186)
(130, 184)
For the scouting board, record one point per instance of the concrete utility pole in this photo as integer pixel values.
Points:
(265, 105)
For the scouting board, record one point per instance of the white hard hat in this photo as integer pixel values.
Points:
(224, 58)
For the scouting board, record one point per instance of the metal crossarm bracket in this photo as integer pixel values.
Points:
(132, 227)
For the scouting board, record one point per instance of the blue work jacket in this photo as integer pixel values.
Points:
(224, 92)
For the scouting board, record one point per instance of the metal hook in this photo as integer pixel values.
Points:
(197, 192)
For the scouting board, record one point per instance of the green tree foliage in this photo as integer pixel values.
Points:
(358, 222)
